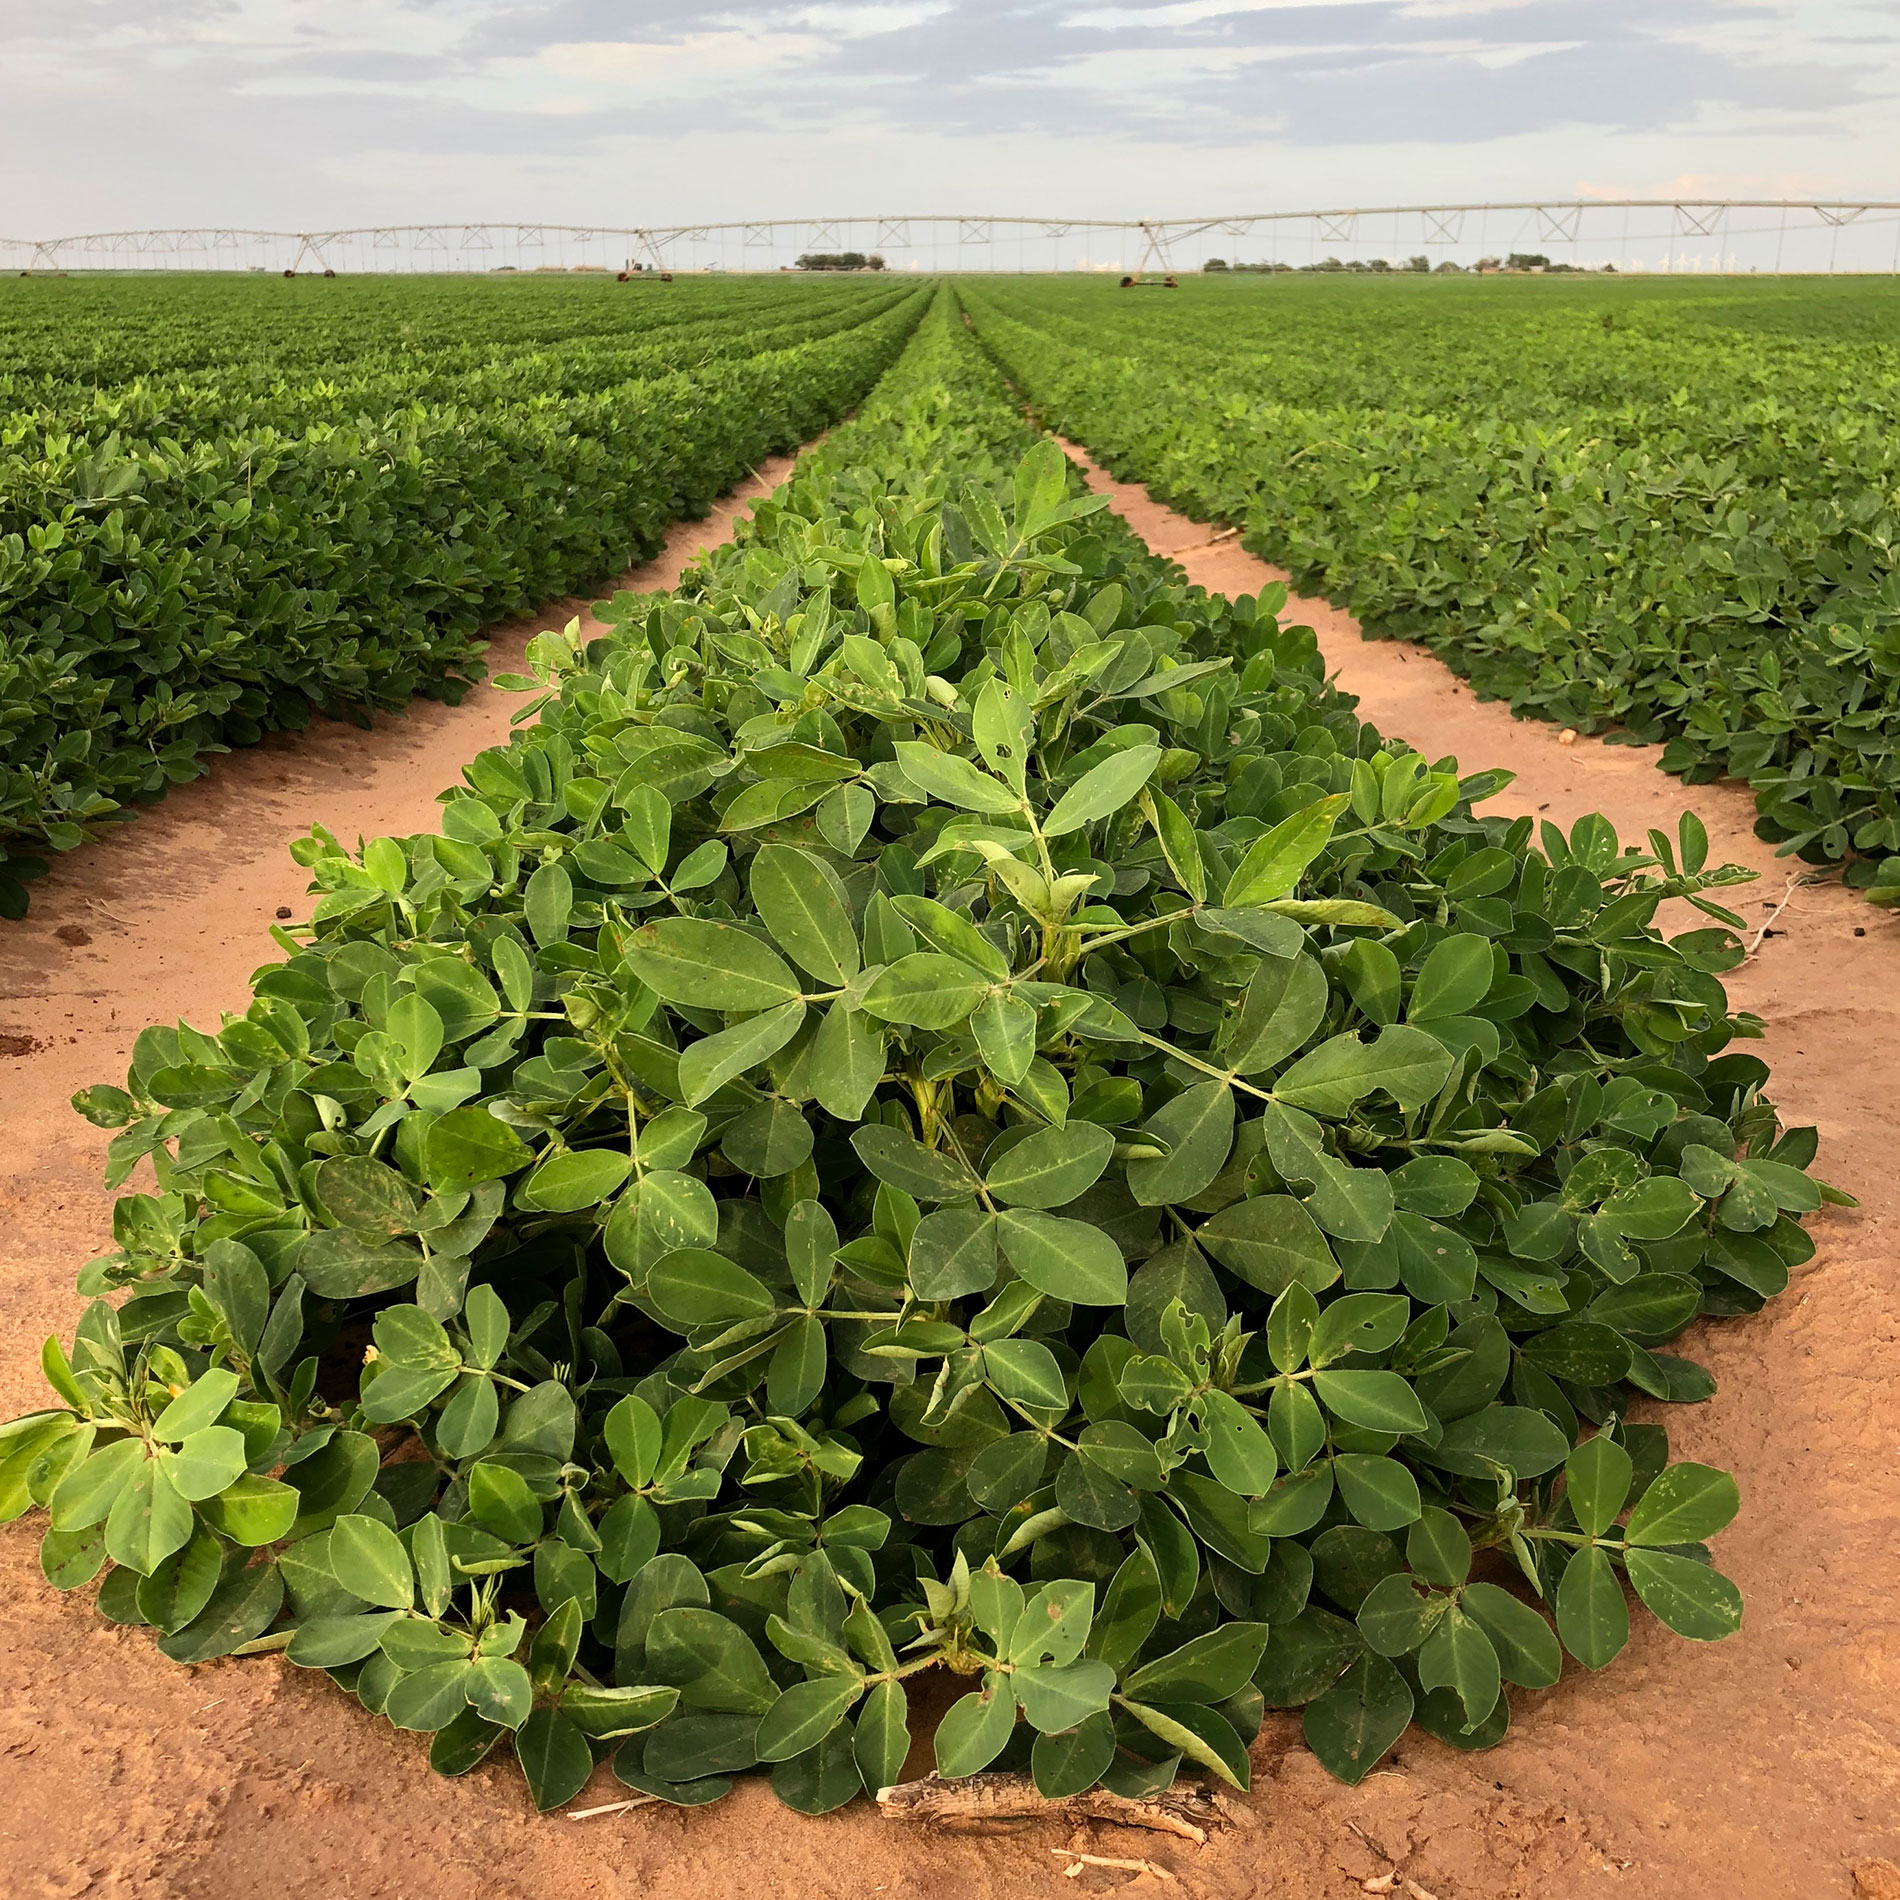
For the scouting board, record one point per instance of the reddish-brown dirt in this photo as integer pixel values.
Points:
(1765, 1767)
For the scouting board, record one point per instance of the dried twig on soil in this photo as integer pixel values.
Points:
(1077, 1861)
(612, 1807)
(1213, 540)
(1187, 1812)
(1795, 883)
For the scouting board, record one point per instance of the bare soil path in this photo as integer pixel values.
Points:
(1766, 1767)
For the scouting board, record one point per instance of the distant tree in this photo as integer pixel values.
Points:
(1326, 263)
(1377, 263)
(1417, 264)
(1526, 260)
(840, 260)
(1449, 267)
(1215, 263)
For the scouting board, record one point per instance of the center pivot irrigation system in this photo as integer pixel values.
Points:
(1645, 234)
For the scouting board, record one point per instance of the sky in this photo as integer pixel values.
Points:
(291, 114)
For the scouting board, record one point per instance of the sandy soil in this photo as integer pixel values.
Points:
(1766, 1767)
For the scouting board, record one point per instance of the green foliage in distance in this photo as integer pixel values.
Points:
(1669, 508)
(947, 1106)
(193, 557)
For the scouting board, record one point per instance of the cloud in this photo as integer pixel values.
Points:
(337, 111)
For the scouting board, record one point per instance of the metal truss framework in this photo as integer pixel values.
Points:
(934, 240)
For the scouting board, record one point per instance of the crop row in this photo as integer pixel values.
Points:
(1621, 511)
(188, 564)
(948, 1104)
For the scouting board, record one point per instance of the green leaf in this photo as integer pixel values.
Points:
(1200, 1734)
(1057, 1697)
(240, 1609)
(1527, 1649)
(1453, 980)
(1208, 1668)
(329, 1642)
(1274, 862)
(500, 1502)
(1687, 1504)
(822, 1779)
(468, 1145)
(1457, 1655)
(1513, 1436)
(566, 1183)
(1129, 1610)
(1353, 1724)
(706, 1066)
(1592, 1617)
(1239, 1453)
(607, 1714)
(178, 1590)
(1027, 1371)
(1272, 1243)
(803, 904)
(846, 1062)
(1197, 1127)
(1379, 1492)
(925, 991)
(1438, 1549)
(1052, 1166)
(1597, 1478)
(881, 1740)
(1377, 1401)
(1652, 1209)
(86, 1494)
(695, 1287)
(69, 1559)
(1069, 1761)
(1687, 1596)
(1404, 1063)
(148, 1520)
(1066, 1259)
(1005, 1030)
(370, 1562)
(953, 781)
(975, 1729)
(706, 964)
(202, 1403)
(1054, 1625)
(253, 1510)
(710, 1660)
(1178, 843)
(1102, 790)
(429, 1698)
(1284, 1003)
(205, 1463)
(464, 1744)
(1397, 1615)
(953, 1252)
(1350, 1203)
(805, 1714)
(554, 1756)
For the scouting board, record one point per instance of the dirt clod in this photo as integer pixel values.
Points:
(75, 934)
